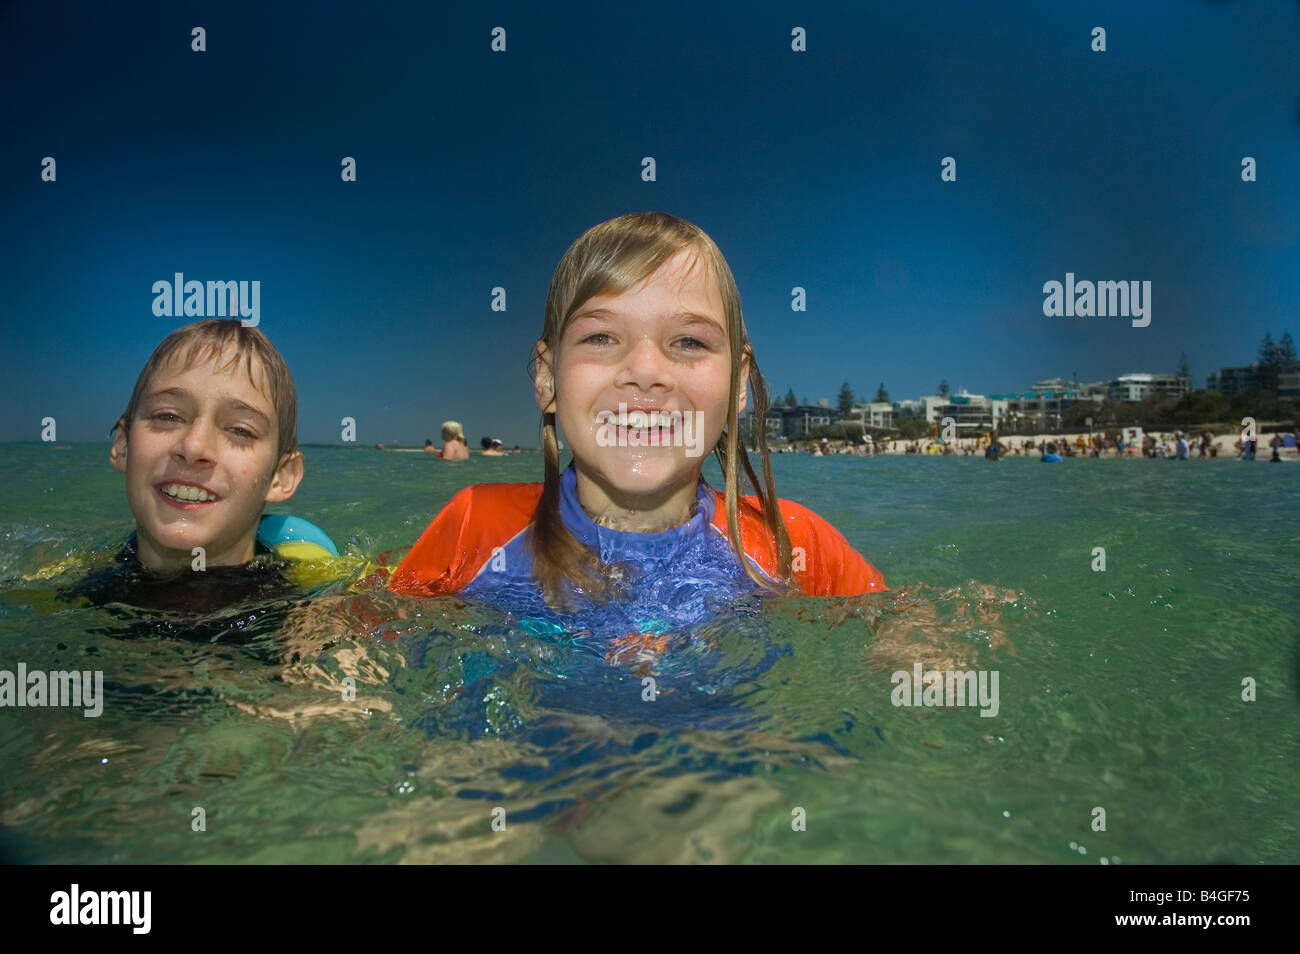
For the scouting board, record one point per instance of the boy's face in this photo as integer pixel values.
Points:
(200, 464)
(662, 344)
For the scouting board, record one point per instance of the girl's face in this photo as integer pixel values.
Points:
(661, 345)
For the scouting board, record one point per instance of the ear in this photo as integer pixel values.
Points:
(744, 380)
(544, 380)
(286, 478)
(117, 453)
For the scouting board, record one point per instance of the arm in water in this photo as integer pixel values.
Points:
(941, 628)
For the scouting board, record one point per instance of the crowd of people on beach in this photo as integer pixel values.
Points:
(1176, 445)
(1173, 446)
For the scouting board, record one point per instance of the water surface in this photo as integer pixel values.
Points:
(1119, 690)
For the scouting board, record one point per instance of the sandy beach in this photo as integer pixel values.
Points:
(1018, 446)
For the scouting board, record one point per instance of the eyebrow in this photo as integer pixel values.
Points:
(234, 402)
(686, 317)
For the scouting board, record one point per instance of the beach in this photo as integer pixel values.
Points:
(1018, 446)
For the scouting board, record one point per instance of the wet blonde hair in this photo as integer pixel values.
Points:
(608, 259)
(207, 340)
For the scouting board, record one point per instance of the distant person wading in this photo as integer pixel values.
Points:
(454, 446)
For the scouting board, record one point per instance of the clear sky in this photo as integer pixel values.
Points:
(475, 169)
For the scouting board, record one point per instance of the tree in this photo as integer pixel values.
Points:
(1184, 370)
(910, 428)
(804, 400)
(1270, 368)
(1267, 350)
(943, 389)
(1200, 407)
(1251, 402)
(881, 393)
(1076, 415)
(1286, 347)
(790, 400)
(845, 403)
(1106, 414)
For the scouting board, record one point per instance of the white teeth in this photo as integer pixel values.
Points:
(644, 419)
(186, 492)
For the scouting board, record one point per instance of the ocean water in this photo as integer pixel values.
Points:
(1147, 713)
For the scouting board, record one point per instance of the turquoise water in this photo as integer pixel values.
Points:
(1119, 690)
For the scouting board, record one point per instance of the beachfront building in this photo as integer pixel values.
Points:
(864, 419)
(1040, 409)
(1132, 388)
(1074, 389)
(1230, 381)
(880, 415)
(926, 408)
(974, 414)
(876, 415)
(1288, 381)
(797, 423)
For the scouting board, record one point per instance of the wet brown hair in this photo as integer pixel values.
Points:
(608, 259)
(207, 340)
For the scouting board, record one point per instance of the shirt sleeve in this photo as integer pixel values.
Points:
(834, 568)
(432, 566)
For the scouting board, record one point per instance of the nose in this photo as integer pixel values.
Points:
(645, 366)
(195, 444)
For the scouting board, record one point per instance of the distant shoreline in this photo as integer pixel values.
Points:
(929, 447)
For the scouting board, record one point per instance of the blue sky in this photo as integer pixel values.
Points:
(477, 169)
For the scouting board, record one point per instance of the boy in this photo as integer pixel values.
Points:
(207, 439)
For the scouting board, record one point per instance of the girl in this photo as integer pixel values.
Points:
(644, 363)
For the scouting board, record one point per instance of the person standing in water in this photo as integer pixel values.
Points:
(645, 364)
(454, 446)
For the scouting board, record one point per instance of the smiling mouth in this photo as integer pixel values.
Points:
(180, 493)
(642, 420)
(644, 437)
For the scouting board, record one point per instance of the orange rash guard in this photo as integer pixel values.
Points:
(684, 575)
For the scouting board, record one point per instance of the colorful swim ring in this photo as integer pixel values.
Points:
(311, 555)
